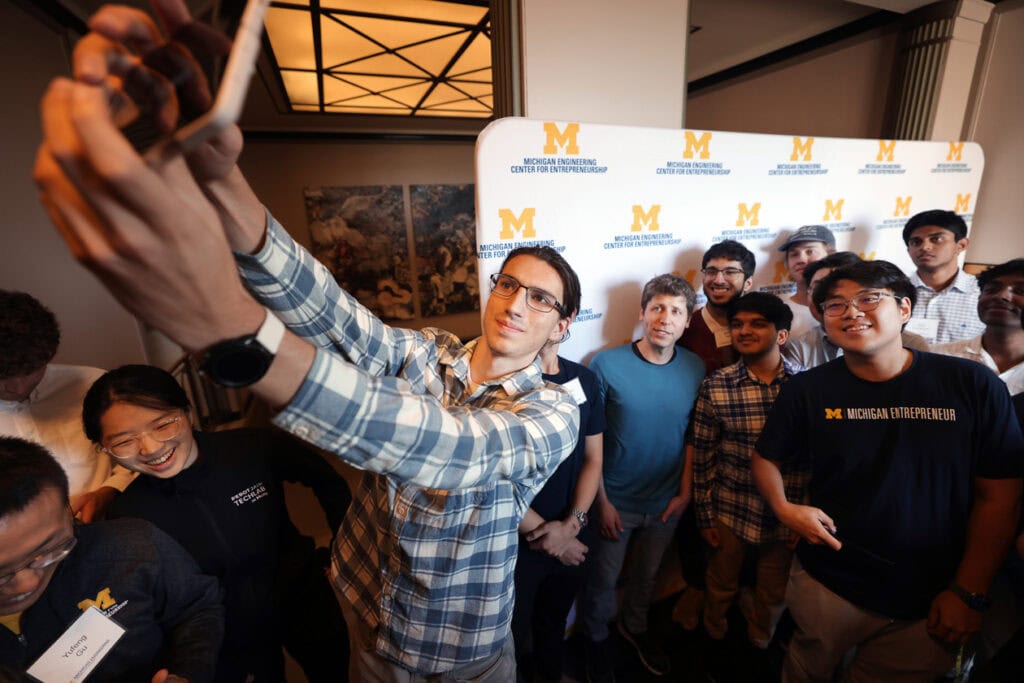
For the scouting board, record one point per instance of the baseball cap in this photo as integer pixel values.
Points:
(810, 233)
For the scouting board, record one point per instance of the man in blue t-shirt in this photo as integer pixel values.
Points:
(648, 387)
(915, 480)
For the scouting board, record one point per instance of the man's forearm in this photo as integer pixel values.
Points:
(589, 478)
(769, 482)
(531, 520)
(990, 531)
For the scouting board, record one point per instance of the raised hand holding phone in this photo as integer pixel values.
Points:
(168, 90)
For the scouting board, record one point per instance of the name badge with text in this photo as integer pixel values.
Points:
(79, 650)
(575, 390)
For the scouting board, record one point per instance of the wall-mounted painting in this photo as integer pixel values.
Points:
(399, 266)
(444, 232)
(360, 233)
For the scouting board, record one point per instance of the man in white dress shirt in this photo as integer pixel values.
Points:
(42, 402)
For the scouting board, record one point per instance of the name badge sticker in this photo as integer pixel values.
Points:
(79, 650)
(926, 327)
(575, 390)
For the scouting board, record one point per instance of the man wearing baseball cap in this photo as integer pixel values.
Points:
(808, 244)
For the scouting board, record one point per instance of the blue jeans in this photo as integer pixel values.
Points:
(605, 560)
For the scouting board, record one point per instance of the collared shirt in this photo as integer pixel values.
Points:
(426, 554)
(813, 348)
(955, 307)
(727, 420)
(972, 349)
(52, 416)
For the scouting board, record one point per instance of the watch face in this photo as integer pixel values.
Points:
(237, 362)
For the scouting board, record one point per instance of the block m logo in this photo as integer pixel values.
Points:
(833, 413)
(885, 150)
(963, 203)
(801, 149)
(648, 218)
(102, 601)
(956, 150)
(699, 146)
(561, 138)
(833, 210)
(902, 207)
(511, 223)
(747, 216)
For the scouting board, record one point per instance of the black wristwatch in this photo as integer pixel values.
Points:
(242, 361)
(976, 601)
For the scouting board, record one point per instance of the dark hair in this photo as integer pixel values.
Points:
(940, 218)
(142, 385)
(832, 261)
(768, 305)
(29, 334)
(28, 470)
(673, 285)
(731, 250)
(1012, 267)
(570, 281)
(877, 274)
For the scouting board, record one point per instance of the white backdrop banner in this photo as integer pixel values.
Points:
(624, 204)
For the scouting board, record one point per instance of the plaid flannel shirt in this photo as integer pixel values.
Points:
(426, 554)
(731, 410)
(955, 307)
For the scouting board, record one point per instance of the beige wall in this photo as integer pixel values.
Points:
(33, 258)
(605, 61)
(836, 91)
(996, 121)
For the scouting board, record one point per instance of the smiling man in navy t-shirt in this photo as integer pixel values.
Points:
(915, 463)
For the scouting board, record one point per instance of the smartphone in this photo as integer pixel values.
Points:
(192, 88)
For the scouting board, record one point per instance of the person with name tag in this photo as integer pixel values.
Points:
(947, 297)
(111, 601)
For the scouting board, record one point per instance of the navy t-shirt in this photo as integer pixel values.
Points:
(893, 463)
(555, 500)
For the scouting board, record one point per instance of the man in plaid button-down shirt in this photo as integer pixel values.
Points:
(732, 516)
(455, 438)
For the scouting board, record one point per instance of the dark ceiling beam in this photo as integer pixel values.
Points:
(830, 37)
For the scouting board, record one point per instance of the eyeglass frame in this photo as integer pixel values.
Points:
(847, 302)
(62, 550)
(557, 306)
(712, 272)
(137, 438)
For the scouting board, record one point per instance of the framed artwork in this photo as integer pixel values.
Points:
(360, 234)
(444, 232)
(400, 264)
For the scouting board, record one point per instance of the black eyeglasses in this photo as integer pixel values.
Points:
(712, 273)
(538, 299)
(865, 303)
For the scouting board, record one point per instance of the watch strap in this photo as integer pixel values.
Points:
(976, 601)
(271, 333)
